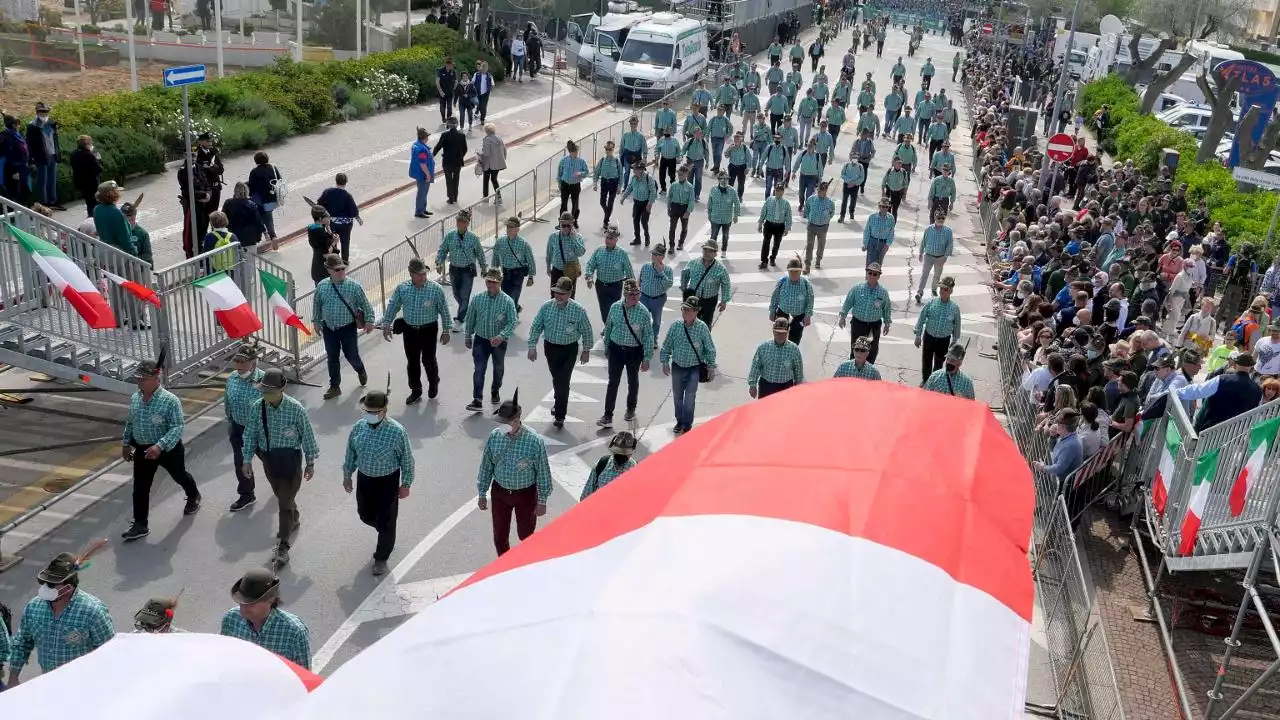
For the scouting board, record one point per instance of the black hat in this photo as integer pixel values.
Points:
(624, 443)
(146, 369)
(956, 352)
(374, 400)
(1245, 360)
(509, 409)
(418, 266)
(61, 569)
(273, 379)
(204, 136)
(155, 615)
(246, 351)
(334, 261)
(257, 585)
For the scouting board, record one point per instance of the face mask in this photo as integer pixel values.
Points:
(372, 418)
(42, 118)
(244, 374)
(620, 459)
(48, 594)
(951, 367)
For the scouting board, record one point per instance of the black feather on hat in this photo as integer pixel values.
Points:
(509, 409)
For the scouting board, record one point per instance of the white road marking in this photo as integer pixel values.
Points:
(410, 598)
(573, 397)
(542, 414)
(897, 296)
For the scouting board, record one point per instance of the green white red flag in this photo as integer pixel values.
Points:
(1262, 438)
(1164, 471)
(277, 297)
(68, 278)
(1201, 482)
(229, 305)
(138, 290)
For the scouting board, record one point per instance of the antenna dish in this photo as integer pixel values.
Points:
(1111, 25)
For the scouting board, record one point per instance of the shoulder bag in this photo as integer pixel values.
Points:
(572, 268)
(279, 463)
(704, 370)
(627, 320)
(279, 186)
(356, 315)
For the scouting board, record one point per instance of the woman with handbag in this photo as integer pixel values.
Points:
(688, 355)
(267, 188)
(464, 94)
(491, 160)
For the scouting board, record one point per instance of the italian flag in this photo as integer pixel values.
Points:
(1261, 439)
(68, 278)
(1164, 472)
(1206, 467)
(277, 291)
(138, 290)
(229, 305)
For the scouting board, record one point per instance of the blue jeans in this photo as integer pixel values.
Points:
(344, 339)
(769, 176)
(684, 392)
(717, 151)
(695, 170)
(420, 199)
(876, 250)
(46, 186)
(461, 278)
(757, 155)
(808, 186)
(891, 119)
(654, 305)
(481, 351)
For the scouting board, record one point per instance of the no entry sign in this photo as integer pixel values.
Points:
(986, 28)
(1060, 147)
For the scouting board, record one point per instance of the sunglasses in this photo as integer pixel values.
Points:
(873, 273)
(567, 227)
(861, 350)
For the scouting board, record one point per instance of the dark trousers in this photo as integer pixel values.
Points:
(560, 360)
(859, 328)
(934, 146)
(569, 194)
(345, 340)
(796, 331)
(608, 193)
(766, 388)
(343, 231)
(849, 200)
(772, 239)
(144, 474)
(481, 351)
(452, 177)
(420, 352)
(482, 107)
(513, 284)
(676, 215)
(666, 172)
(607, 294)
(932, 351)
(490, 178)
(866, 168)
(640, 220)
(895, 200)
(738, 178)
(283, 469)
(627, 158)
(721, 229)
(244, 483)
(446, 104)
(556, 274)
(774, 122)
(378, 504)
(622, 357)
(706, 307)
(503, 503)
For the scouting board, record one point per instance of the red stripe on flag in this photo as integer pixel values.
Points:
(963, 504)
(239, 321)
(92, 307)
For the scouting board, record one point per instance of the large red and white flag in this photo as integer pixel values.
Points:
(770, 564)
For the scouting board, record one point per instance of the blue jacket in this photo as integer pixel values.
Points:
(419, 155)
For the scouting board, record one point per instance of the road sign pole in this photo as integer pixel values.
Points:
(79, 38)
(191, 175)
(217, 27)
(1062, 79)
(133, 56)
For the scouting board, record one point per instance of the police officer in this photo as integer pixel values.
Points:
(950, 379)
(687, 349)
(937, 327)
(629, 344)
(566, 331)
(425, 310)
(62, 622)
(153, 440)
(564, 252)
(706, 278)
(606, 269)
(280, 434)
(381, 457)
(491, 320)
(514, 257)
(340, 308)
(257, 618)
(514, 466)
(777, 364)
(609, 467)
(872, 311)
(461, 249)
(241, 392)
(792, 299)
(858, 367)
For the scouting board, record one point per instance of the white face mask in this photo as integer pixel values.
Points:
(244, 374)
(46, 593)
(373, 418)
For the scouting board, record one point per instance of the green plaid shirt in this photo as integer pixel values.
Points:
(819, 210)
(421, 305)
(776, 363)
(869, 121)
(562, 325)
(491, 316)
(937, 131)
(941, 158)
(906, 123)
(663, 119)
(515, 463)
(634, 141)
(808, 107)
(895, 179)
(608, 474)
(776, 210)
(562, 247)
(240, 395)
(643, 188)
(943, 187)
(937, 241)
(515, 254)
(283, 634)
(739, 155)
(793, 298)
(681, 193)
(328, 309)
(654, 283)
(288, 428)
(849, 368)
(608, 168)
(378, 450)
(721, 126)
(723, 205)
(464, 251)
(613, 265)
(868, 304)
(852, 173)
(677, 349)
(717, 279)
(867, 98)
(808, 163)
(84, 626)
(667, 147)
(960, 385)
(906, 153)
(155, 422)
(939, 319)
(617, 332)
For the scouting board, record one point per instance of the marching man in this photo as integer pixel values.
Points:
(949, 379)
(153, 440)
(617, 462)
(380, 455)
(777, 364)
(566, 331)
(858, 367)
(935, 247)
(937, 327)
(515, 467)
(426, 318)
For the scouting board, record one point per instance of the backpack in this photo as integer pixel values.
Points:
(1244, 328)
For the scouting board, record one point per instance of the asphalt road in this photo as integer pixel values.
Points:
(442, 538)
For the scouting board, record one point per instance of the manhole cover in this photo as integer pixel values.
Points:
(57, 485)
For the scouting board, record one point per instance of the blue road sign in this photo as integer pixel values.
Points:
(185, 75)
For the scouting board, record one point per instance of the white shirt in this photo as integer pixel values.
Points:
(1268, 353)
(1182, 283)
(1199, 273)
(517, 47)
(1200, 324)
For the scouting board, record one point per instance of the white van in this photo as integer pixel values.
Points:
(597, 46)
(661, 54)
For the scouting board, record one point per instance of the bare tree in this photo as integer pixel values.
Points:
(1141, 67)
(1220, 101)
(1254, 155)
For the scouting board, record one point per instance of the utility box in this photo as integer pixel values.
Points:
(1020, 126)
(1169, 158)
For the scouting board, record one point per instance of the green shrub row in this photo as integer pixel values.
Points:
(139, 130)
(1245, 216)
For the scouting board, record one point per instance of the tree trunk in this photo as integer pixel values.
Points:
(1221, 104)
(1140, 67)
(1163, 80)
(1257, 157)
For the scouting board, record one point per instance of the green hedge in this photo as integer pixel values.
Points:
(135, 132)
(1262, 56)
(1245, 216)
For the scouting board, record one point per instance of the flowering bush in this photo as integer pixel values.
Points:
(168, 130)
(387, 88)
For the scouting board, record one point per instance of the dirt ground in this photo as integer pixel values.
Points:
(23, 88)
